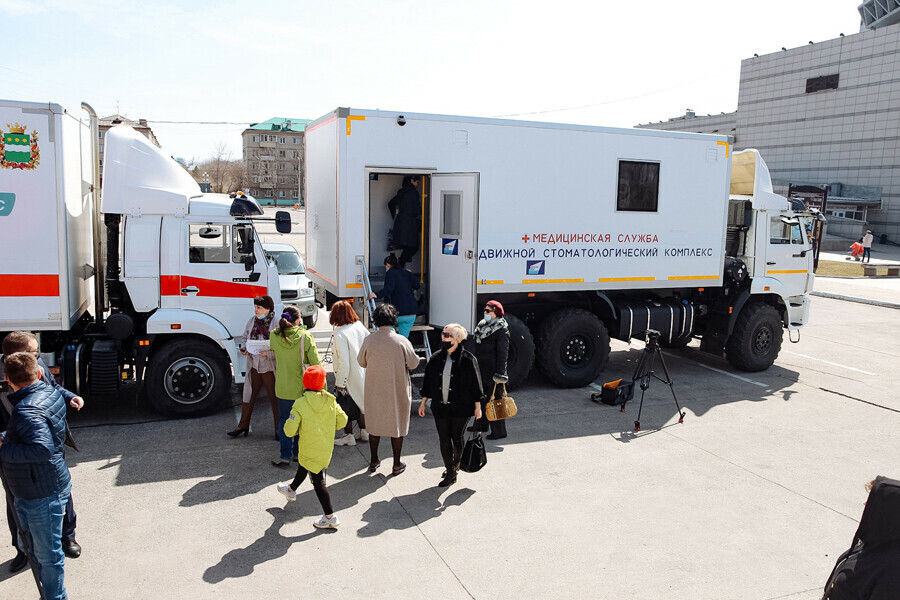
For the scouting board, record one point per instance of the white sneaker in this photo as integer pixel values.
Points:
(363, 435)
(286, 491)
(326, 523)
(346, 440)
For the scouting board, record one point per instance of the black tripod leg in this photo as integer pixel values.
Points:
(671, 385)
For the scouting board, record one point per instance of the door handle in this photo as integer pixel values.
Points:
(470, 254)
(801, 255)
(771, 263)
(191, 289)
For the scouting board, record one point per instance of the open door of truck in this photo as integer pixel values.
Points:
(453, 240)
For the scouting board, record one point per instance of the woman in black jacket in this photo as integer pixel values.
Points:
(869, 569)
(406, 210)
(453, 383)
(398, 290)
(490, 345)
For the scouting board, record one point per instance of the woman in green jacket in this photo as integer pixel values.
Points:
(295, 349)
(315, 416)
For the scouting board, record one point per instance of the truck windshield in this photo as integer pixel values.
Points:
(288, 263)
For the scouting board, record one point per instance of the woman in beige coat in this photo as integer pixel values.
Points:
(387, 357)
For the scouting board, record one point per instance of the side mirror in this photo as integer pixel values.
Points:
(283, 221)
(210, 233)
(249, 260)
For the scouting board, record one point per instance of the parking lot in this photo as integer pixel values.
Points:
(753, 496)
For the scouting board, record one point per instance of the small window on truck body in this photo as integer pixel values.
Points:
(638, 186)
(450, 217)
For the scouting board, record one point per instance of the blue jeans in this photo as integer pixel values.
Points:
(288, 445)
(43, 519)
(404, 325)
(867, 254)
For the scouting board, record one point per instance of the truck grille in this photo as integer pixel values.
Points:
(289, 294)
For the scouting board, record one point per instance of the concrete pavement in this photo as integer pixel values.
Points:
(878, 291)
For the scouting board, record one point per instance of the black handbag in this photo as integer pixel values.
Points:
(474, 456)
(347, 405)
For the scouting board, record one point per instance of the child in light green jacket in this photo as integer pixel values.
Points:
(315, 416)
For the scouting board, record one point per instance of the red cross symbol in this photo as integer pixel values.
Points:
(525, 238)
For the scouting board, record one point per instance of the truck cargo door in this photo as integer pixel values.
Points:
(788, 254)
(214, 279)
(452, 248)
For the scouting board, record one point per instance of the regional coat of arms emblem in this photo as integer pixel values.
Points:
(19, 150)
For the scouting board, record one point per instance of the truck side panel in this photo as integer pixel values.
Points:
(45, 217)
(548, 217)
(322, 143)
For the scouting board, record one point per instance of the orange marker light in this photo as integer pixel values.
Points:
(175, 326)
(531, 294)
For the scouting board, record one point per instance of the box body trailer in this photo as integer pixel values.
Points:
(154, 282)
(581, 232)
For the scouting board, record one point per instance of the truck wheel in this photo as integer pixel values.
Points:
(312, 319)
(521, 353)
(573, 347)
(188, 379)
(756, 340)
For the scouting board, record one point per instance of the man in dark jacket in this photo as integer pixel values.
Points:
(870, 569)
(406, 210)
(25, 341)
(33, 465)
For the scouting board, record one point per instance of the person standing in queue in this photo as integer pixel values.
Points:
(295, 349)
(387, 358)
(489, 343)
(406, 210)
(349, 377)
(260, 367)
(398, 290)
(453, 384)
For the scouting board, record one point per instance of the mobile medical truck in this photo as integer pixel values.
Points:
(581, 232)
(154, 282)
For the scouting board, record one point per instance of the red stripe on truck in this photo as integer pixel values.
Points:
(29, 285)
(171, 285)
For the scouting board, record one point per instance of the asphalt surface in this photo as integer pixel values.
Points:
(753, 496)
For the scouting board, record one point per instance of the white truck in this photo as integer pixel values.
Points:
(154, 282)
(581, 232)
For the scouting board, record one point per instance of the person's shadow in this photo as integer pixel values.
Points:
(411, 510)
(241, 562)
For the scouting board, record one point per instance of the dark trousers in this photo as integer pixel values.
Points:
(867, 254)
(406, 255)
(318, 481)
(68, 528)
(450, 435)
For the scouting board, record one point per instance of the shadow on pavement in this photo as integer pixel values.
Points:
(410, 510)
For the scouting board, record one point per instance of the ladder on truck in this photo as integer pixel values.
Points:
(424, 348)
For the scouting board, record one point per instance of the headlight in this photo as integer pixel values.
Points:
(306, 292)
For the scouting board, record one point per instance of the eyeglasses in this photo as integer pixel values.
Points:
(445, 334)
(488, 310)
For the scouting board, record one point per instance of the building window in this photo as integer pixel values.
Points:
(255, 138)
(282, 140)
(102, 133)
(296, 141)
(826, 82)
(101, 148)
(293, 193)
(638, 186)
(281, 194)
(281, 153)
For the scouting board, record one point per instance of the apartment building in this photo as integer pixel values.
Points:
(273, 157)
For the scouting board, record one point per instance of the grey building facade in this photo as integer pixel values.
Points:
(825, 114)
(273, 156)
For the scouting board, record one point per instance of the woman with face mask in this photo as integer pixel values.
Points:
(490, 345)
(453, 384)
(260, 367)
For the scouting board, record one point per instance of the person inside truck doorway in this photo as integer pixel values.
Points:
(398, 288)
(405, 209)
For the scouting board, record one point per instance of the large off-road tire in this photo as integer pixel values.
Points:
(756, 339)
(573, 347)
(188, 378)
(521, 352)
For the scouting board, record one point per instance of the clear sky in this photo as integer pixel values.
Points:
(235, 61)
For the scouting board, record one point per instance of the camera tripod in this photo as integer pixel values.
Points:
(644, 373)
